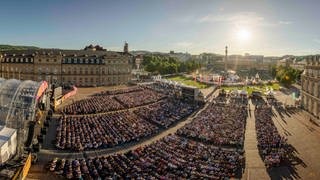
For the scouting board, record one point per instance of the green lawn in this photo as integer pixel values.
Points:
(188, 81)
(249, 89)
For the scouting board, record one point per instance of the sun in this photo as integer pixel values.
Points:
(243, 34)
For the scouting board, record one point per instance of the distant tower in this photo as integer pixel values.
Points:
(226, 59)
(126, 48)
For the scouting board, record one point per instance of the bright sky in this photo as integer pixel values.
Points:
(268, 27)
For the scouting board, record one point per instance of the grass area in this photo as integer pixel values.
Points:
(189, 82)
(251, 88)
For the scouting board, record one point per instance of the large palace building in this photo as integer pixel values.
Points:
(310, 86)
(93, 66)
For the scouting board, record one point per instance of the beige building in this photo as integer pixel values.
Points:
(93, 66)
(310, 86)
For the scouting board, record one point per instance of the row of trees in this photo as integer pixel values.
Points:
(167, 65)
(286, 75)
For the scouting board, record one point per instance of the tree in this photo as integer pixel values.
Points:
(287, 75)
(167, 65)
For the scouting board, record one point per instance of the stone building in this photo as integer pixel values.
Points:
(93, 66)
(310, 86)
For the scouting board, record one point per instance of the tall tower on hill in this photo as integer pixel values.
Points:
(126, 47)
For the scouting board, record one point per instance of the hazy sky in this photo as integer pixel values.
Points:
(269, 27)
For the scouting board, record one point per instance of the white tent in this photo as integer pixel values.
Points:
(243, 92)
(8, 143)
(270, 93)
(235, 91)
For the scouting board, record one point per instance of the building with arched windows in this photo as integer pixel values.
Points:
(93, 66)
(310, 86)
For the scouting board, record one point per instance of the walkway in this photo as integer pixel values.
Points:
(255, 167)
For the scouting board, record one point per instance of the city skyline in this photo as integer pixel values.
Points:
(265, 27)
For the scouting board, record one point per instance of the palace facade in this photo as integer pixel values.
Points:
(93, 66)
(310, 86)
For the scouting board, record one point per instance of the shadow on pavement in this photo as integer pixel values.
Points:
(288, 170)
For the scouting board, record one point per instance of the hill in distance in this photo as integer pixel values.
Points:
(4, 47)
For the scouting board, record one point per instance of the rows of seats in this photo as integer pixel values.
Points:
(101, 131)
(271, 145)
(219, 124)
(169, 158)
(167, 112)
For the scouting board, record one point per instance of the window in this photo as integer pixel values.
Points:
(55, 71)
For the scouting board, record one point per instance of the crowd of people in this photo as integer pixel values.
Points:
(101, 131)
(271, 145)
(139, 98)
(86, 132)
(113, 100)
(219, 124)
(93, 105)
(196, 151)
(119, 91)
(167, 112)
(169, 158)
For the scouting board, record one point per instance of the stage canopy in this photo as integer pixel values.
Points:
(17, 101)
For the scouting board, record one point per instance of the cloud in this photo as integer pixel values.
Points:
(285, 22)
(238, 18)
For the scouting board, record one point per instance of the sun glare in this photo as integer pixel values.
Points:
(244, 34)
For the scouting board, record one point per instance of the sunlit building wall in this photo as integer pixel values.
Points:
(310, 86)
(90, 67)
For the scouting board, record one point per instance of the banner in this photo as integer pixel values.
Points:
(42, 88)
(26, 167)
